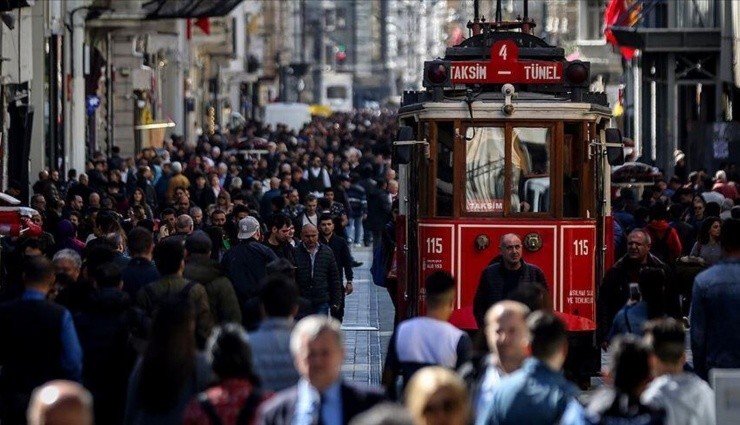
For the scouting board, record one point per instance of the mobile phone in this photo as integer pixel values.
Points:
(634, 291)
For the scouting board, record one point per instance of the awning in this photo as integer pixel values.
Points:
(8, 5)
(169, 9)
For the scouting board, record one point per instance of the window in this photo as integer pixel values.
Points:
(336, 92)
(444, 180)
(484, 169)
(530, 169)
(594, 28)
(527, 159)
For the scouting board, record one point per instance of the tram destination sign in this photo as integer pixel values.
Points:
(505, 67)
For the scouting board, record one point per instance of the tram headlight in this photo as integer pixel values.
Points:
(436, 74)
(577, 73)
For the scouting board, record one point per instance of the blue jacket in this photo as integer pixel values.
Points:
(535, 394)
(630, 320)
(714, 315)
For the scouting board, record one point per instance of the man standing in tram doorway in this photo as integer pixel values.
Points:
(508, 277)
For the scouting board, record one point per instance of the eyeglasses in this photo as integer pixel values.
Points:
(446, 406)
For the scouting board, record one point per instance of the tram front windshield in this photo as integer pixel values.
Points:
(528, 173)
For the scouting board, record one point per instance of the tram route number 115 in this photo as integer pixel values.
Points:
(434, 245)
(581, 247)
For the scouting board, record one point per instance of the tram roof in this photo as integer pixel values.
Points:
(529, 106)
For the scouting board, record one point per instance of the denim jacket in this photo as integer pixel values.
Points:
(535, 394)
(714, 314)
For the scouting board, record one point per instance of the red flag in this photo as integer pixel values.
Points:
(614, 15)
(204, 25)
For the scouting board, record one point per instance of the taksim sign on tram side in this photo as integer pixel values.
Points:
(504, 67)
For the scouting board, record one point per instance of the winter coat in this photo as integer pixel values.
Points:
(322, 285)
(221, 295)
(614, 290)
(105, 332)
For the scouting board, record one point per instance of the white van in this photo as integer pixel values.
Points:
(293, 115)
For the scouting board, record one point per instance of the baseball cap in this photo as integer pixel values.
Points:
(248, 226)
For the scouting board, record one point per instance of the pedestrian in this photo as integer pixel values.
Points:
(507, 336)
(342, 256)
(271, 355)
(279, 239)
(537, 393)
(510, 278)
(357, 200)
(169, 257)
(714, 343)
(236, 394)
(201, 268)
(310, 214)
(183, 228)
(107, 331)
(171, 370)
(435, 395)
(245, 266)
(645, 303)
(429, 340)
(619, 402)
(615, 287)
(666, 244)
(707, 246)
(317, 274)
(140, 270)
(321, 395)
(40, 342)
(685, 397)
(60, 402)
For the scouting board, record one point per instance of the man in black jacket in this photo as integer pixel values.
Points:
(342, 256)
(317, 275)
(510, 278)
(614, 290)
(244, 265)
(107, 332)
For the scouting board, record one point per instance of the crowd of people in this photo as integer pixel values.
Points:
(147, 261)
(205, 284)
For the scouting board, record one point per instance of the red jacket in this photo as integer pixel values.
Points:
(657, 230)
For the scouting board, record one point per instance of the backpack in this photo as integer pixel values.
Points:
(659, 247)
(245, 413)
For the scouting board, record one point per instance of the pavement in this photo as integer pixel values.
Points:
(367, 326)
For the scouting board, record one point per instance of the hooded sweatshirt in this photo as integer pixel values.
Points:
(687, 399)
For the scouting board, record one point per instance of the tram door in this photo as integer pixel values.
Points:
(471, 184)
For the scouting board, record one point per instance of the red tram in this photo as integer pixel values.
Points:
(505, 138)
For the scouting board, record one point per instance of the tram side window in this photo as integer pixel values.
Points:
(445, 139)
(572, 167)
(484, 169)
(530, 169)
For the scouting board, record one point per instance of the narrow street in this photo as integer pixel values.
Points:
(368, 325)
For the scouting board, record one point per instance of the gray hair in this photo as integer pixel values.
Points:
(643, 232)
(184, 222)
(194, 210)
(309, 328)
(68, 255)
